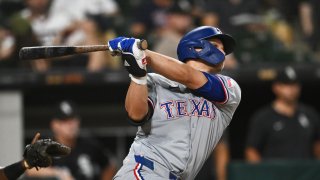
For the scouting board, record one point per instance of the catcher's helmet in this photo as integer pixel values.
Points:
(198, 38)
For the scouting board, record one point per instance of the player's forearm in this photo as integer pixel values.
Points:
(306, 18)
(316, 149)
(175, 70)
(252, 155)
(12, 171)
(137, 101)
(2, 175)
(222, 158)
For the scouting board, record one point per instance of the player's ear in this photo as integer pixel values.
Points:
(275, 87)
(54, 125)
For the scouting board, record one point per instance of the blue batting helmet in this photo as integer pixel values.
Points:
(198, 38)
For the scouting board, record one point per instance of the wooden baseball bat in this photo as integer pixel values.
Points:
(43, 52)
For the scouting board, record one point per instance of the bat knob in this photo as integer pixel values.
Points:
(25, 54)
(143, 44)
(22, 54)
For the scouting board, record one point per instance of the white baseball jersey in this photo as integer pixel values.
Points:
(184, 128)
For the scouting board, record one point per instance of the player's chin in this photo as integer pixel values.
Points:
(218, 67)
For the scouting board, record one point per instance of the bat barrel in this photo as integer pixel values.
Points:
(57, 51)
(44, 52)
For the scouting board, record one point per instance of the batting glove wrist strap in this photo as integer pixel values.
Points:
(136, 67)
(139, 80)
(26, 165)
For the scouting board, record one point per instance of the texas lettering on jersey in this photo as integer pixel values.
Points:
(194, 107)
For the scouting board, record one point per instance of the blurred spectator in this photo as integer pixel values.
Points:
(310, 17)
(86, 160)
(91, 23)
(215, 168)
(258, 42)
(221, 12)
(258, 26)
(6, 43)
(285, 129)
(16, 33)
(57, 22)
(287, 10)
(148, 17)
(178, 22)
(289, 22)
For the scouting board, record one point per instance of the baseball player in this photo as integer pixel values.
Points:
(182, 110)
(37, 154)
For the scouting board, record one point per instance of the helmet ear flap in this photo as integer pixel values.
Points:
(188, 49)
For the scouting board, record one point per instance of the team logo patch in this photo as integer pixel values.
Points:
(230, 83)
(193, 107)
(144, 60)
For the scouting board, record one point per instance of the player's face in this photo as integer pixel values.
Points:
(68, 128)
(218, 44)
(287, 92)
(206, 67)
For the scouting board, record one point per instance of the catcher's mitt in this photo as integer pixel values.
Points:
(40, 152)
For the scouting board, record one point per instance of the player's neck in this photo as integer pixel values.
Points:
(285, 108)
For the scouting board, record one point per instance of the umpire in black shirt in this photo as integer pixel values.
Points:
(284, 129)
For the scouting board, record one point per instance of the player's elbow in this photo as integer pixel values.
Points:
(137, 114)
(136, 117)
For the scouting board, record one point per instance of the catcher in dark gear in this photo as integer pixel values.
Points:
(38, 154)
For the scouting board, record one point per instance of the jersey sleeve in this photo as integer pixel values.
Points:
(152, 94)
(223, 91)
(213, 89)
(233, 97)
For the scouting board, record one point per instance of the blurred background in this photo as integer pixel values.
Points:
(271, 35)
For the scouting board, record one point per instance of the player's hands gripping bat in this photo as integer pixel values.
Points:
(40, 152)
(134, 59)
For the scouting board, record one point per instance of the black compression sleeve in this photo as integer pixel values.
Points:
(14, 171)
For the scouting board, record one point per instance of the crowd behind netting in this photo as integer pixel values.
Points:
(267, 31)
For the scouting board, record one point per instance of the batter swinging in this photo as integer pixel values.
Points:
(181, 110)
